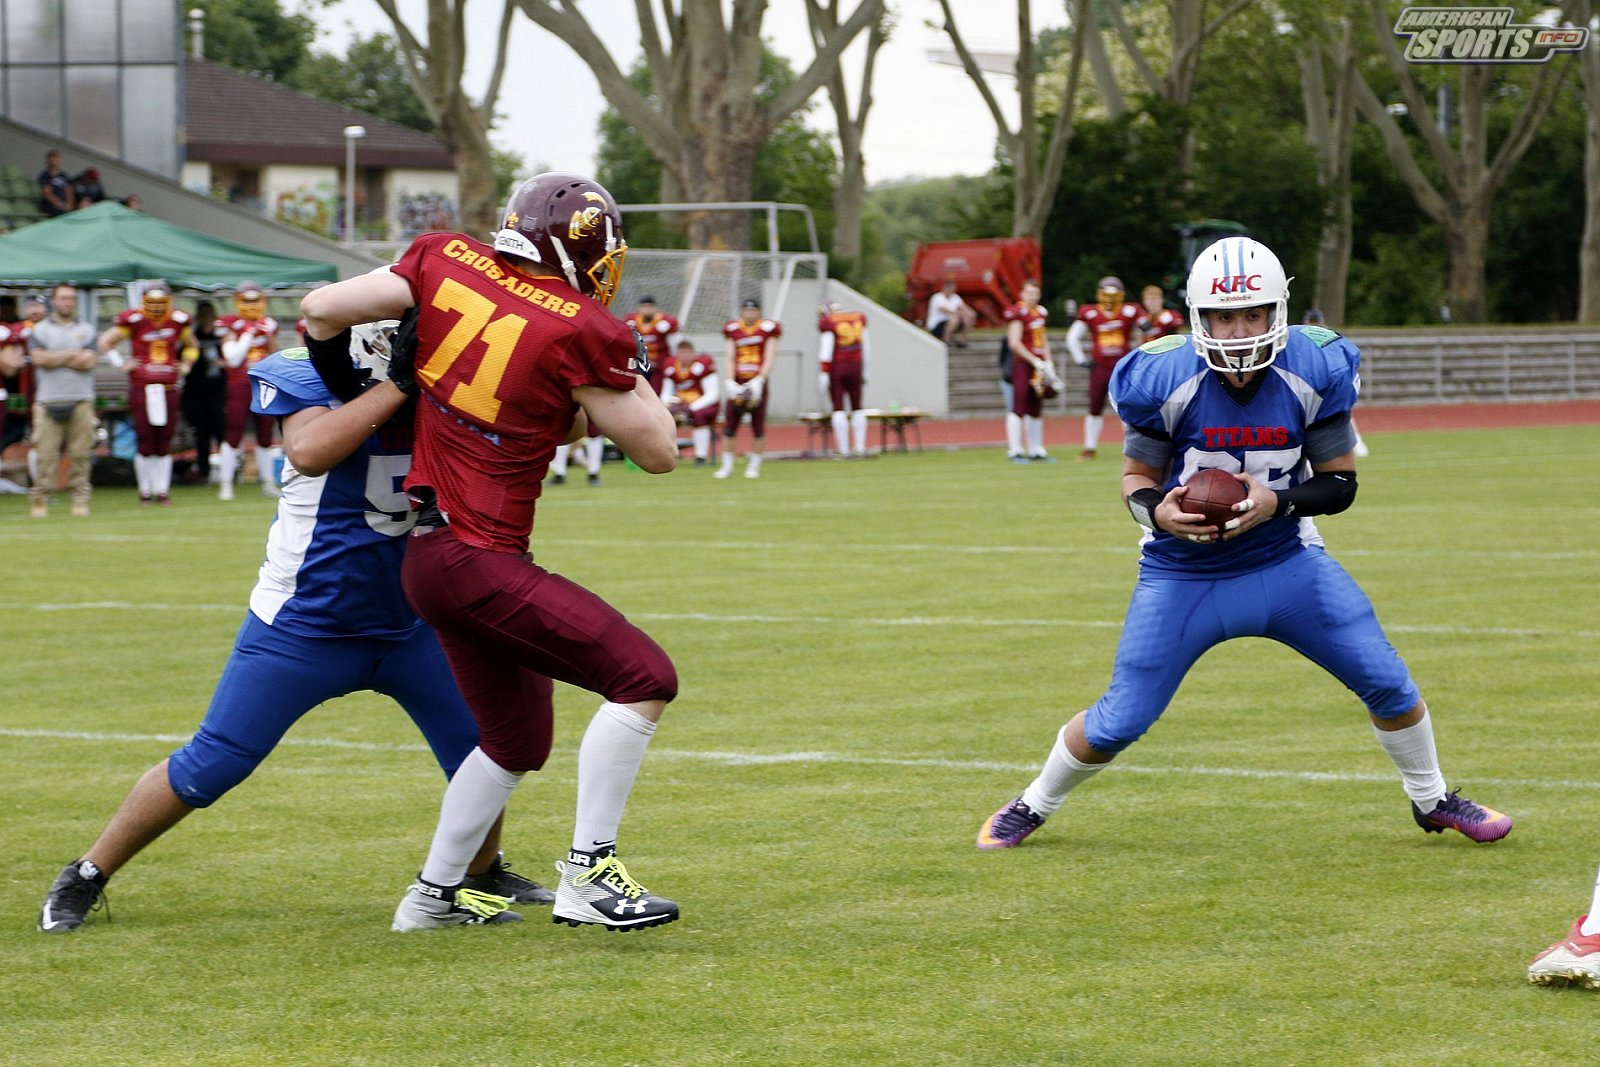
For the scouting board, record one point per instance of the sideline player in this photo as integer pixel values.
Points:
(1271, 405)
(248, 335)
(1158, 319)
(752, 347)
(1033, 377)
(689, 389)
(845, 356)
(660, 334)
(1112, 325)
(1575, 959)
(515, 351)
(159, 337)
(327, 618)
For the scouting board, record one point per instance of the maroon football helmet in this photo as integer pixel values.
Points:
(571, 224)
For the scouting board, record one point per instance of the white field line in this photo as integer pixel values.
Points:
(760, 759)
(846, 620)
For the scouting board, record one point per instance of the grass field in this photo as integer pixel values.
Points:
(874, 655)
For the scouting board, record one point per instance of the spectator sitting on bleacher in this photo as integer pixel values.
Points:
(86, 188)
(55, 189)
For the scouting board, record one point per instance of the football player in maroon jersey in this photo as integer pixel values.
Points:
(752, 347)
(163, 347)
(1033, 377)
(515, 352)
(1159, 320)
(249, 335)
(660, 333)
(1111, 324)
(844, 356)
(690, 390)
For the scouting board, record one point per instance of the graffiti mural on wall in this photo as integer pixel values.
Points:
(314, 208)
(423, 212)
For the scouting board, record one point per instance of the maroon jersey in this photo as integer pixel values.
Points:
(1110, 332)
(498, 356)
(1161, 323)
(263, 334)
(749, 345)
(157, 346)
(847, 328)
(1032, 319)
(655, 330)
(689, 376)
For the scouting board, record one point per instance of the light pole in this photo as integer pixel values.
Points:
(352, 134)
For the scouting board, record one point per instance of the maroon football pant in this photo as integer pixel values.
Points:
(733, 414)
(152, 440)
(236, 412)
(1099, 385)
(508, 627)
(844, 383)
(1024, 401)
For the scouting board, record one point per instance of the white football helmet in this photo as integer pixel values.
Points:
(1237, 273)
(369, 346)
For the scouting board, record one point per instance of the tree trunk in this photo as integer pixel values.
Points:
(723, 172)
(468, 139)
(1330, 122)
(1589, 244)
(1466, 243)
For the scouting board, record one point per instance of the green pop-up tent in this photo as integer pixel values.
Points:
(108, 244)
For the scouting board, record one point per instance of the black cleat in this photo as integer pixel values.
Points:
(79, 889)
(502, 881)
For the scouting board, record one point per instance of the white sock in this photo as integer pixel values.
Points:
(702, 441)
(163, 475)
(858, 429)
(141, 473)
(267, 464)
(1091, 430)
(1417, 760)
(227, 462)
(594, 451)
(1591, 924)
(841, 431)
(1035, 430)
(476, 796)
(755, 463)
(1062, 773)
(727, 457)
(1013, 434)
(558, 462)
(608, 762)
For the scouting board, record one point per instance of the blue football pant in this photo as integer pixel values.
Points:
(273, 678)
(1305, 601)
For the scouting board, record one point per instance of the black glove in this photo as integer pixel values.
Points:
(403, 353)
(338, 371)
(641, 354)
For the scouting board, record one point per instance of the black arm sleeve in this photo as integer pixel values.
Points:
(331, 358)
(1142, 506)
(1327, 493)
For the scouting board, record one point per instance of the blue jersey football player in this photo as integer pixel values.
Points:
(1269, 404)
(327, 617)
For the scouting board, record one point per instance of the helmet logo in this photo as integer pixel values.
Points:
(586, 220)
(1236, 283)
(512, 218)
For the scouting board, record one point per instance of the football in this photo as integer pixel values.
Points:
(1212, 493)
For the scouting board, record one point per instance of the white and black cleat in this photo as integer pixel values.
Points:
(429, 907)
(596, 890)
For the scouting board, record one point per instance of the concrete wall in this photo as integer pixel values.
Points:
(420, 200)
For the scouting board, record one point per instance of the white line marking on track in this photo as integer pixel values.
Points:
(766, 759)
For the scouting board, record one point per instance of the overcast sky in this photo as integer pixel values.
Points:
(927, 119)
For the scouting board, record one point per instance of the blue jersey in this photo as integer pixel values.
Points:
(334, 550)
(1181, 418)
